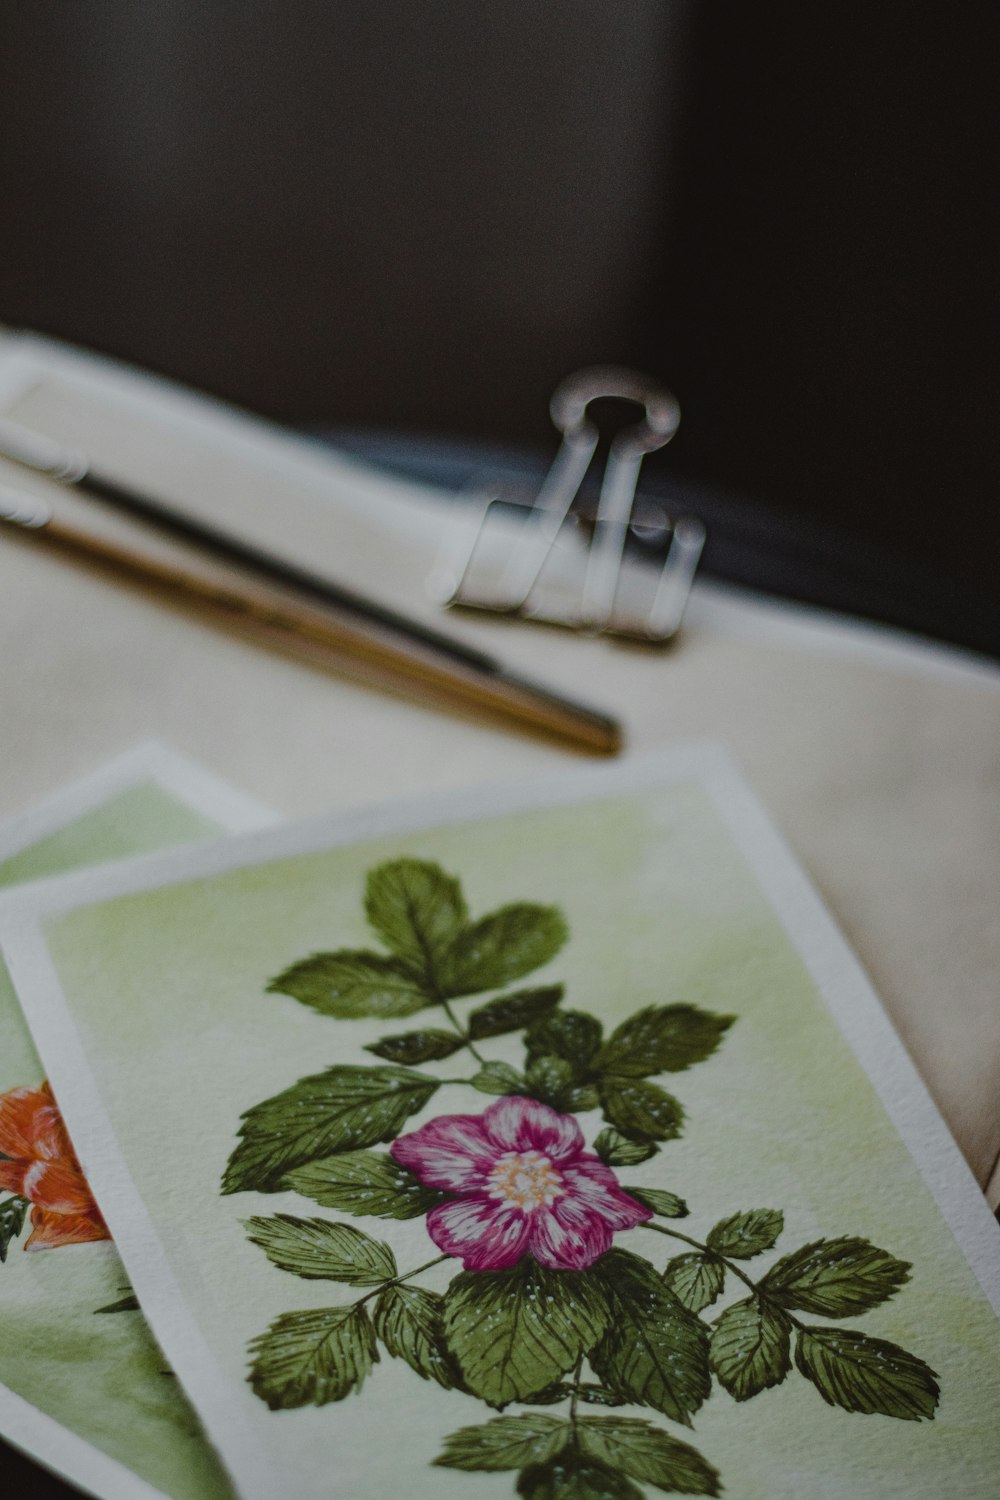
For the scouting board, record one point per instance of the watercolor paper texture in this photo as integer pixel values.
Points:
(549, 1142)
(90, 1395)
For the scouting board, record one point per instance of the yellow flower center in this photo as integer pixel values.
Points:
(527, 1179)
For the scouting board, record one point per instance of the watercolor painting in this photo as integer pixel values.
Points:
(575, 1292)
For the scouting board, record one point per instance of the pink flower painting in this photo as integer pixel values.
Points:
(520, 1182)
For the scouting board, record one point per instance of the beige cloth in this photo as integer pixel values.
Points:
(878, 761)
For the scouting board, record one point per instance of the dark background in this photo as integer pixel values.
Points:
(417, 215)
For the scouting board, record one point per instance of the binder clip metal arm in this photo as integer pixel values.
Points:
(539, 566)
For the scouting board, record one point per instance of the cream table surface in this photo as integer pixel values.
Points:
(876, 755)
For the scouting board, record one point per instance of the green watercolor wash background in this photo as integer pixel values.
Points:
(169, 986)
(101, 1377)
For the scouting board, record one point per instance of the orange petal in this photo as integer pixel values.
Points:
(25, 1114)
(12, 1177)
(58, 1187)
(50, 1230)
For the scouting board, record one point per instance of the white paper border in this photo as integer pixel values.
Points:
(23, 1425)
(837, 974)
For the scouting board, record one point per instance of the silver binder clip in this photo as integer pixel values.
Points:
(542, 562)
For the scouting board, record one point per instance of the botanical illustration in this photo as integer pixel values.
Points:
(562, 1309)
(39, 1171)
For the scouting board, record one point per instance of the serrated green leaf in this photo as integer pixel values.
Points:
(417, 1046)
(746, 1234)
(322, 1250)
(313, 1357)
(647, 1453)
(641, 1109)
(504, 1443)
(408, 1321)
(662, 1039)
(12, 1215)
(417, 910)
(550, 1396)
(835, 1278)
(504, 946)
(570, 1034)
(550, 1079)
(498, 1078)
(749, 1348)
(655, 1352)
(597, 1395)
(340, 1110)
(618, 1151)
(364, 1183)
(866, 1375)
(572, 1475)
(667, 1205)
(353, 983)
(512, 1012)
(695, 1279)
(514, 1332)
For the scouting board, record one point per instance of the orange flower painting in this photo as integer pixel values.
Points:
(38, 1164)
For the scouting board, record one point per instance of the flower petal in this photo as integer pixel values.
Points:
(486, 1236)
(26, 1119)
(12, 1177)
(567, 1236)
(57, 1186)
(516, 1124)
(451, 1152)
(50, 1230)
(595, 1188)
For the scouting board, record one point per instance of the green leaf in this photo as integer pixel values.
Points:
(573, 1476)
(417, 910)
(662, 1039)
(866, 1375)
(570, 1034)
(641, 1109)
(501, 947)
(695, 1279)
(313, 1357)
(667, 1205)
(749, 1348)
(550, 1079)
(124, 1304)
(353, 983)
(408, 1321)
(417, 1046)
(655, 1353)
(339, 1110)
(618, 1151)
(835, 1278)
(364, 1183)
(498, 1078)
(12, 1214)
(513, 1332)
(746, 1234)
(322, 1250)
(648, 1454)
(511, 1012)
(504, 1443)
(596, 1395)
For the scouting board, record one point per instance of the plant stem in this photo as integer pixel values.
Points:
(467, 1040)
(398, 1280)
(675, 1234)
(576, 1393)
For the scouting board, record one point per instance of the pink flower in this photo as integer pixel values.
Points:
(522, 1182)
